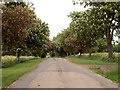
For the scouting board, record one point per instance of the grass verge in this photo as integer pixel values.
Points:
(89, 60)
(100, 60)
(11, 74)
(111, 74)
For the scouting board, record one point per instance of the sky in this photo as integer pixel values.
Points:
(55, 13)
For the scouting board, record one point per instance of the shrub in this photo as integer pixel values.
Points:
(52, 54)
(8, 61)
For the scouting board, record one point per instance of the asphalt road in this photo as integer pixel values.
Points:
(60, 73)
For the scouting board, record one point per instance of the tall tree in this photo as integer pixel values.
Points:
(106, 18)
(16, 21)
(38, 38)
(85, 30)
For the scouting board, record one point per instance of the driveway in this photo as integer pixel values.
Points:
(60, 73)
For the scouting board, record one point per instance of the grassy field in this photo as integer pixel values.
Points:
(11, 74)
(89, 60)
(99, 60)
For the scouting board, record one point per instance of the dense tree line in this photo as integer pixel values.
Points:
(91, 30)
(22, 30)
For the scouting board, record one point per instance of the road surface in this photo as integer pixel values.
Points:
(60, 73)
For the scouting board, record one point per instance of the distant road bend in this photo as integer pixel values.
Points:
(60, 73)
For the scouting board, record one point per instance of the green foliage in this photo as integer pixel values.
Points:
(58, 44)
(106, 18)
(80, 36)
(102, 45)
(118, 33)
(52, 54)
(22, 29)
(96, 58)
(9, 61)
(117, 48)
(38, 38)
(111, 74)
(85, 30)
(43, 54)
(15, 24)
(91, 30)
(14, 4)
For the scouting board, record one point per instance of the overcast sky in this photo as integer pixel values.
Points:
(55, 12)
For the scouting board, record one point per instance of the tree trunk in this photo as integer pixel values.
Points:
(110, 49)
(74, 53)
(109, 43)
(90, 52)
(18, 53)
(67, 54)
(80, 53)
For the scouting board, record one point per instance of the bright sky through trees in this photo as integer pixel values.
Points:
(55, 13)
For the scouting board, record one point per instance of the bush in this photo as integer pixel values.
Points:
(8, 61)
(12, 62)
(52, 54)
(43, 55)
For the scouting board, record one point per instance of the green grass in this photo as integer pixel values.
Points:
(99, 59)
(11, 74)
(111, 74)
(0, 78)
(89, 60)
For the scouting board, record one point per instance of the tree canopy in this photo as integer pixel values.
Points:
(91, 27)
(22, 29)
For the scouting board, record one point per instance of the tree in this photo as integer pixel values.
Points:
(106, 18)
(80, 36)
(71, 45)
(38, 38)
(14, 4)
(58, 44)
(22, 30)
(117, 48)
(16, 21)
(102, 45)
(85, 30)
(66, 43)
